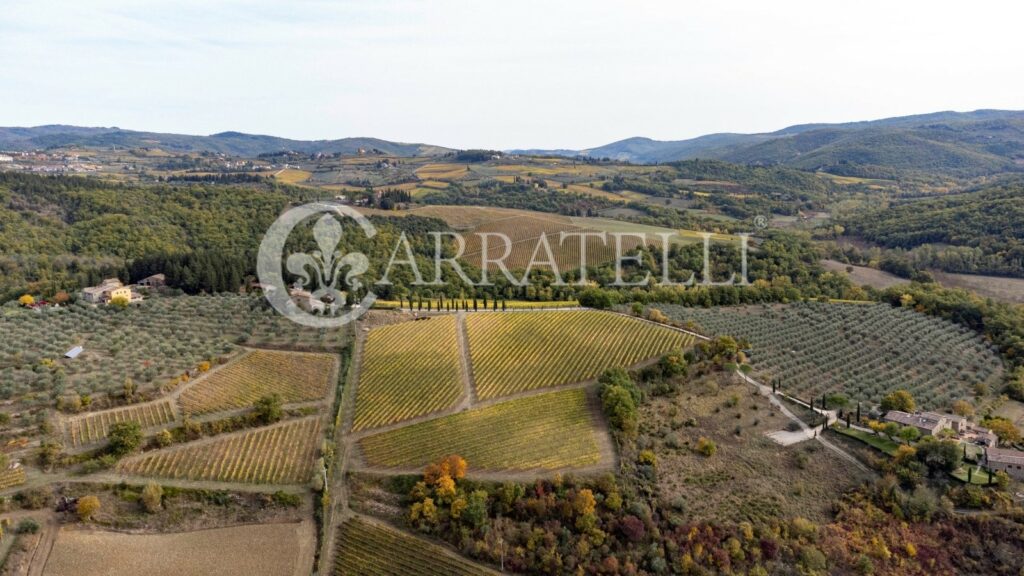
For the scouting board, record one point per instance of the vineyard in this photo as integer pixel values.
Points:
(366, 548)
(12, 477)
(152, 342)
(408, 370)
(524, 232)
(526, 351)
(294, 376)
(279, 454)
(92, 428)
(547, 431)
(863, 351)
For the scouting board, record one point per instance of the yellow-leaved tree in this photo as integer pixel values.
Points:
(87, 507)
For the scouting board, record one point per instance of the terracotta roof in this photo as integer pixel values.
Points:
(1004, 456)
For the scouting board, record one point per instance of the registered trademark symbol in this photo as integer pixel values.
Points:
(760, 221)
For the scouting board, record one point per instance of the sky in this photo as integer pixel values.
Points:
(500, 75)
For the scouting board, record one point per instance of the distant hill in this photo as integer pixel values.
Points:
(959, 143)
(234, 143)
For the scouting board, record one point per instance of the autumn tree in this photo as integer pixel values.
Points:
(26, 300)
(898, 400)
(87, 507)
(963, 408)
(1003, 428)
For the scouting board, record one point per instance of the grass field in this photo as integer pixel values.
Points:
(278, 454)
(877, 442)
(366, 548)
(441, 171)
(253, 550)
(408, 370)
(292, 176)
(530, 350)
(546, 431)
(92, 428)
(296, 377)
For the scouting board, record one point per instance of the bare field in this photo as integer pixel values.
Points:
(256, 550)
(994, 287)
(862, 275)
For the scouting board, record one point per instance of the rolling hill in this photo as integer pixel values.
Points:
(234, 143)
(958, 143)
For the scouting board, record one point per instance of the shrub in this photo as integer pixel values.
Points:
(27, 526)
(706, 447)
(288, 499)
(152, 497)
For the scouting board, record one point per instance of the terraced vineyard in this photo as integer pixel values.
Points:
(296, 377)
(408, 370)
(92, 428)
(369, 549)
(12, 477)
(279, 454)
(547, 431)
(864, 351)
(530, 350)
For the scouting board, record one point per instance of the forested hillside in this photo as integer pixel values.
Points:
(978, 231)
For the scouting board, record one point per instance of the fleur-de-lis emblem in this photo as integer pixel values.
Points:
(321, 270)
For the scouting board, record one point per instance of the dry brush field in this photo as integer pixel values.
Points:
(366, 548)
(280, 454)
(296, 377)
(546, 431)
(409, 369)
(530, 350)
(254, 550)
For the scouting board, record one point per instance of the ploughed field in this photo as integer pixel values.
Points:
(253, 550)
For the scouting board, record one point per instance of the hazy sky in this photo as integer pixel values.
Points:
(518, 73)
